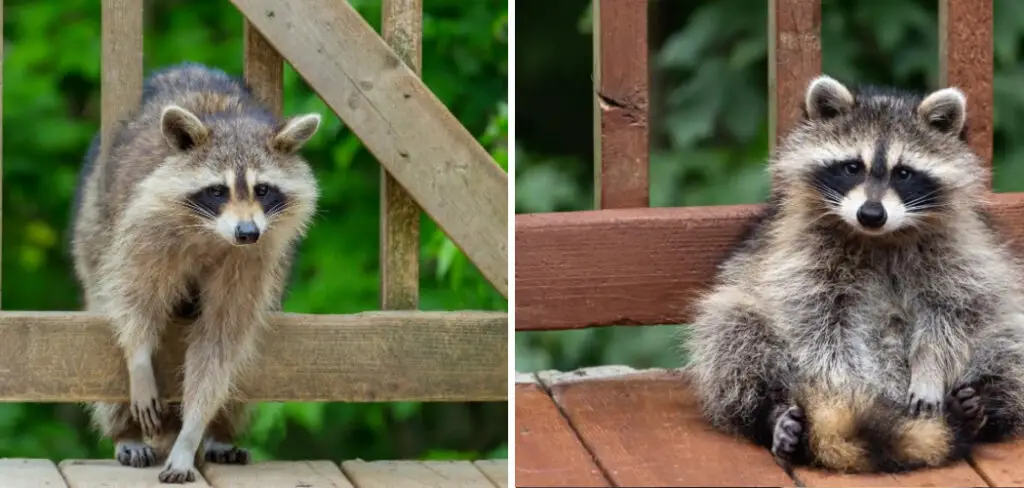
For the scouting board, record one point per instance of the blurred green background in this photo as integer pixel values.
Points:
(709, 126)
(51, 78)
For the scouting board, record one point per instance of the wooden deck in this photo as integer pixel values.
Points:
(42, 473)
(615, 426)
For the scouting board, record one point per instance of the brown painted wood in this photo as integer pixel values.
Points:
(640, 266)
(621, 115)
(646, 430)
(30, 473)
(401, 28)
(400, 121)
(959, 474)
(794, 59)
(276, 474)
(548, 453)
(373, 356)
(108, 473)
(965, 60)
(1000, 463)
(264, 68)
(415, 474)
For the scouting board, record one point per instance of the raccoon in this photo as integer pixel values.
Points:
(870, 320)
(194, 213)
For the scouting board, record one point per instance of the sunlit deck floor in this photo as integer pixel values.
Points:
(41, 473)
(615, 426)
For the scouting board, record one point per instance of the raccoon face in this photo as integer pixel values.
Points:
(245, 181)
(880, 160)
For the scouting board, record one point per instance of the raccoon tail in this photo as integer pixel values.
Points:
(857, 432)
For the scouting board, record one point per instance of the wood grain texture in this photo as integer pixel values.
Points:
(641, 266)
(959, 474)
(621, 138)
(108, 473)
(1000, 463)
(402, 29)
(495, 470)
(121, 79)
(263, 68)
(30, 473)
(415, 474)
(277, 474)
(645, 429)
(794, 59)
(965, 61)
(373, 357)
(548, 452)
(400, 121)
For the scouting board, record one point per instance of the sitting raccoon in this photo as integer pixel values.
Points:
(871, 320)
(194, 213)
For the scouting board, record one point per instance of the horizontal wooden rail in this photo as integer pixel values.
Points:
(419, 141)
(640, 266)
(366, 357)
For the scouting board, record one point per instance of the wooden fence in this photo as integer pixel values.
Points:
(626, 264)
(429, 163)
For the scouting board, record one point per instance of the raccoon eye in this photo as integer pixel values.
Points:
(903, 173)
(852, 168)
(217, 191)
(261, 189)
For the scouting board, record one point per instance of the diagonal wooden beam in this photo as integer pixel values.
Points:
(422, 145)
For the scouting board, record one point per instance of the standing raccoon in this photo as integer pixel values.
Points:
(871, 320)
(195, 212)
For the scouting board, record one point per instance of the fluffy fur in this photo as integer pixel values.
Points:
(871, 319)
(194, 213)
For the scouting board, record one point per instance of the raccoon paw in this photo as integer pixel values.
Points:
(135, 454)
(223, 453)
(923, 401)
(178, 474)
(965, 407)
(147, 411)
(789, 429)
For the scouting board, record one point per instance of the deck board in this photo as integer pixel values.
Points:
(548, 452)
(415, 474)
(495, 470)
(1000, 463)
(108, 473)
(646, 430)
(277, 474)
(30, 473)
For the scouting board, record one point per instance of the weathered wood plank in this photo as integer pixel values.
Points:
(495, 470)
(374, 356)
(277, 474)
(414, 474)
(1, 127)
(107, 473)
(621, 144)
(264, 68)
(646, 429)
(401, 28)
(794, 59)
(399, 120)
(959, 474)
(548, 452)
(121, 80)
(30, 473)
(965, 61)
(640, 266)
(1000, 463)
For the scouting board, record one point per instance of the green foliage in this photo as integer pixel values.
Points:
(709, 127)
(51, 110)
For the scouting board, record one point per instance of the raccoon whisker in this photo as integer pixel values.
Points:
(197, 209)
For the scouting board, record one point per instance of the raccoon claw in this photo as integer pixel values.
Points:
(135, 454)
(147, 412)
(964, 405)
(923, 406)
(173, 474)
(227, 454)
(789, 429)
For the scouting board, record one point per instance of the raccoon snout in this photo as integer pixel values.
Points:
(246, 232)
(871, 215)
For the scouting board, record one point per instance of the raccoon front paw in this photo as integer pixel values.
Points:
(223, 453)
(965, 407)
(147, 411)
(173, 473)
(135, 454)
(789, 429)
(924, 401)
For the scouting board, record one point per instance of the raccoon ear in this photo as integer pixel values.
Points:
(944, 110)
(181, 128)
(294, 133)
(827, 98)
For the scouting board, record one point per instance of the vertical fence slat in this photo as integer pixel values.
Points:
(401, 28)
(965, 60)
(1, 117)
(264, 68)
(621, 143)
(121, 81)
(794, 59)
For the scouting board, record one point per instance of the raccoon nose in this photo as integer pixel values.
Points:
(246, 232)
(871, 215)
